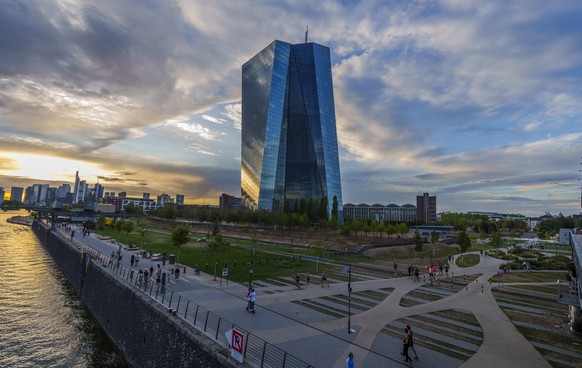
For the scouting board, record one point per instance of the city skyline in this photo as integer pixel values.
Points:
(476, 103)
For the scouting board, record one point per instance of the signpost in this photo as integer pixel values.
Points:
(225, 275)
(348, 269)
(236, 340)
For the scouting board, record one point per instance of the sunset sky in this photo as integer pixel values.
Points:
(476, 102)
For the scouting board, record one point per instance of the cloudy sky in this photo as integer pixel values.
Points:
(477, 102)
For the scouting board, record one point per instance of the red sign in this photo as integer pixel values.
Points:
(237, 341)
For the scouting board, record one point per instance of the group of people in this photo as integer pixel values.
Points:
(431, 270)
(324, 281)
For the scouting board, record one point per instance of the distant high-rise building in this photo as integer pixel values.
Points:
(164, 199)
(179, 199)
(16, 194)
(426, 209)
(228, 202)
(76, 187)
(289, 139)
(98, 192)
(146, 196)
(122, 194)
(2, 193)
(63, 192)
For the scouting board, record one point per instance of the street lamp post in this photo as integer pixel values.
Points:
(349, 299)
(251, 275)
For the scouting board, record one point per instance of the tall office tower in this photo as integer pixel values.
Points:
(2, 193)
(289, 140)
(98, 191)
(63, 192)
(76, 188)
(81, 193)
(426, 209)
(16, 194)
(179, 199)
(145, 195)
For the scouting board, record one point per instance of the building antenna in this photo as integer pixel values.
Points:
(306, 32)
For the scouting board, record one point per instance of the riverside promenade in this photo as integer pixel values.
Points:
(324, 341)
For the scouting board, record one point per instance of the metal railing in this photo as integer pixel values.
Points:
(257, 352)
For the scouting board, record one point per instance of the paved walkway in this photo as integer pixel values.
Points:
(326, 343)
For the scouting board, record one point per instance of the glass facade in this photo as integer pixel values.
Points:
(289, 139)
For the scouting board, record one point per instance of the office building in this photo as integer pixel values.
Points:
(63, 192)
(228, 202)
(98, 192)
(2, 193)
(380, 213)
(426, 212)
(164, 199)
(179, 199)
(289, 140)
(37, 195)
(16, 194)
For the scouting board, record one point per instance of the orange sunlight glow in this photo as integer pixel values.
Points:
(50, 168)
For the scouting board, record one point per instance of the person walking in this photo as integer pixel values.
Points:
(308, 279)
(405, 346)
(252, 298)
(411, 341)
(297, 281)
(350, 361)
(324, 279)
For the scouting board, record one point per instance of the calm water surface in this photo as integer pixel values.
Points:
(43, 322)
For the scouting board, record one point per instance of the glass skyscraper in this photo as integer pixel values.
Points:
(289, 140)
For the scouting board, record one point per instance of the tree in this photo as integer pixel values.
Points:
(128, 228)
(496, 241)
(119, 226)
(133, 209)
(180, 236)
(334, 210)
(463, 241)
(217, 244)
(100, 222)
(434, 238)
(417, 240)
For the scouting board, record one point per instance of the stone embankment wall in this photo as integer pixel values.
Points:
(145, 332)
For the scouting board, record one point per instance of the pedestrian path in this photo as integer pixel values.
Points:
(299, 320)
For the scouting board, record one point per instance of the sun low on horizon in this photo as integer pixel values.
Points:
(51, 168)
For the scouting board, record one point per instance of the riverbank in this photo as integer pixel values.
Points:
(21, 220)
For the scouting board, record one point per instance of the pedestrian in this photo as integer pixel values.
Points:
(447, 270)
(177, 273)
(136, 260)
(411, 342)
(395, 268)
(72, 234)
(324, 279)
(405, 345)
(308, 279)
(416, 274)
(252, 298)
(350, 360)
(132, 260)
(297, 281)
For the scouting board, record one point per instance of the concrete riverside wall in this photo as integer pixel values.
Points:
(145, 332)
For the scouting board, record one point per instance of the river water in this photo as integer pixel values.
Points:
(43, 322)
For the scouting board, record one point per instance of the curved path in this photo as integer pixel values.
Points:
(502, 345)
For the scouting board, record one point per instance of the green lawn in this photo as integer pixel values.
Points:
(237, 257)
(468, 260)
